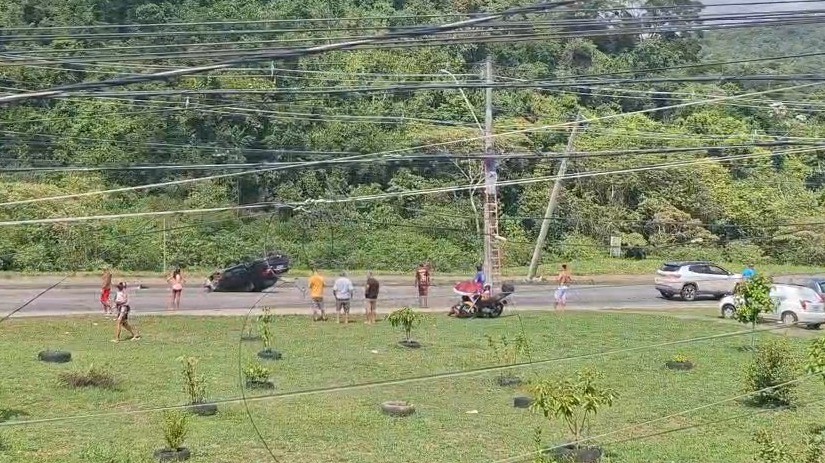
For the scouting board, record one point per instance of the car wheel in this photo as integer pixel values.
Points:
(689, 293)
(250, 287)
(728, 311)
(666, 295)
(789, 318)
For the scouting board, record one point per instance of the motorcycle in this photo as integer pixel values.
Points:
(472, 305)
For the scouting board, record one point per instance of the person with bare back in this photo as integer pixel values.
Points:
(564, 280)
(422, 282)
(106, 291)
(177, 281)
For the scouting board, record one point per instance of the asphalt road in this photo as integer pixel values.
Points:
(76, 299)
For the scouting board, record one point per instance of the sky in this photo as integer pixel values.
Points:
(721, 6)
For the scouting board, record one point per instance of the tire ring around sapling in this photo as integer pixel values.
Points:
(173, 455)
(54, 356)
(522, 402)
(410, 344)
(205, 409)
(270, 355)
(394, 408)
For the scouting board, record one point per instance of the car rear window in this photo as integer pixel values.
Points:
(670, 268)
(822, 286)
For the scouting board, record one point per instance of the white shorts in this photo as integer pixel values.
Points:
(561, 294)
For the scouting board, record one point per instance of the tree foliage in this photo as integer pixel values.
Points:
(689, 211)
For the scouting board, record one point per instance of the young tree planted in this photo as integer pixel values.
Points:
(752, 299)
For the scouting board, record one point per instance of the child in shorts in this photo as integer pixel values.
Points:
(122, 308)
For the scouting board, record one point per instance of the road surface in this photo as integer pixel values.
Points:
(78, 298)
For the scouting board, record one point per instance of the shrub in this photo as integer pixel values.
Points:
(256, 372)
(771, 371)
(743, 252)
(574, 401)
(174, 429)
(264, 327)
(407, 319)
(193, 383)
(506, 351)
(93, 377)
(753, 298)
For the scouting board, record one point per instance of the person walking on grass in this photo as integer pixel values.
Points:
(316, 294)
(422, 283)
(564, 280)
(342, 290)
(371, 295)
(106, 291)
(123, 308)
(177, 281)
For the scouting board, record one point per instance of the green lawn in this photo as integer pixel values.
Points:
(347, 426)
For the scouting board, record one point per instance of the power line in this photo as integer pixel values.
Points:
(58, 91)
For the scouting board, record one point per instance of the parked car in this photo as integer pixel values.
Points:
(690, 280)
(815, 283)
(794, 304)
(251, 276)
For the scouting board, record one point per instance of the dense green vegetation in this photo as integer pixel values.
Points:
(764, 208)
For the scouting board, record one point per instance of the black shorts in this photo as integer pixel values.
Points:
(123, 311)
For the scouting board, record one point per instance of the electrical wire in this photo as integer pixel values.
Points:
(398, 382)
(58, 91)
(379, 155)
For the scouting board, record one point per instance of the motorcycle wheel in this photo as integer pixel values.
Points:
(497, 310)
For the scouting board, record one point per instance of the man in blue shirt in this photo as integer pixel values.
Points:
(748, 273)
(480, 278)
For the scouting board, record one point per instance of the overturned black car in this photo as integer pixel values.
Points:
(251, 276)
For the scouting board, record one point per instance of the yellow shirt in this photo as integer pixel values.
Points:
(316, 286)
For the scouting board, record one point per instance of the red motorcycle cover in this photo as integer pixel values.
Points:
(467, 288)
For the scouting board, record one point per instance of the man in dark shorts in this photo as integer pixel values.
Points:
(422, 282)
(371, 295)
(123, 308)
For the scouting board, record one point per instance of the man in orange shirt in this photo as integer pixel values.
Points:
(316, 293)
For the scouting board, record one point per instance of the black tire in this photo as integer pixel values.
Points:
(270, 355)
(522, 402)
(508, 381)
(789, 318)
(172, 455)
(688, 292)
(395, 408)
(728, 311)
(497, 310)
(260, 384)
(570, 453)
(410, 344)
(815, 326)
(666, 295)
(54, 356)
(250, 287)
(203, 409)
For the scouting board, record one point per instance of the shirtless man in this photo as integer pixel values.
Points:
(564, 279)
(106, 291)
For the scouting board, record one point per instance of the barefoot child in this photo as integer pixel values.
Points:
(122, 307)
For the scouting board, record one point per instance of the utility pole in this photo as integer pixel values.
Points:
(551, 205)
(164, 245)
(491, 254)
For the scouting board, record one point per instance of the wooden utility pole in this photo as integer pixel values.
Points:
(551, 205)
(491, 252)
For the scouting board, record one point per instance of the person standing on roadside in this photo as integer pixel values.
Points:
(106, 291)
(422, 283)
(371, 295)
(316, 294)
(177, 281)
(480, 279)
(748, 273)
(342, 290)
(564, 280)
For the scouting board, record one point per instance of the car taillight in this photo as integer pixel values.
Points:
(804, 304)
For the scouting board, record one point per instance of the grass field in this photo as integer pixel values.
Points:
(346, 425)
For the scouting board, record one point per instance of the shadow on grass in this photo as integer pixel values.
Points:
(8, 413)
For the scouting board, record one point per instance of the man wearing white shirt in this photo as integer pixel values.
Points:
(342, 290)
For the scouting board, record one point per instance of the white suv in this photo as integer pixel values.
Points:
(694, 279)
(793, 304)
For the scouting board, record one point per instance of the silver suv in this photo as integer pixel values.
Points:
(691, 280)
